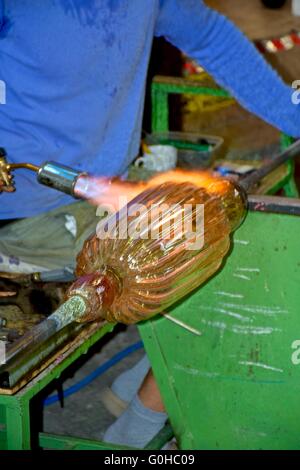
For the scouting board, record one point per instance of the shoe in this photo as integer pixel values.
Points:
(114, 404)
(117, 398)
(171, 445)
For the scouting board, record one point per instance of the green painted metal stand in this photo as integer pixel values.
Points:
(15, 409)
(15, 416)
(162, 87)
(237, 386)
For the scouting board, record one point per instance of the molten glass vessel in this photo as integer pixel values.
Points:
(164, 244)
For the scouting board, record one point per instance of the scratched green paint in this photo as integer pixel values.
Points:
(235, 387)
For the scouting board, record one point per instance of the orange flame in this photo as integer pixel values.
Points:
(105, 192)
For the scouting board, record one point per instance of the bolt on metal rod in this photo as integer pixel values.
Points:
(250, 181)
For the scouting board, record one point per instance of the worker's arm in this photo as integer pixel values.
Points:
(231, 59)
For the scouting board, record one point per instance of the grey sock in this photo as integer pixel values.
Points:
(136, 426)
(126, 385)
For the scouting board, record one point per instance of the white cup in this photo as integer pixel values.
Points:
(160, 158)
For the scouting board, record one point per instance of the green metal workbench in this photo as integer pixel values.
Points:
(15, 425)
(236, 386)
(16, 413)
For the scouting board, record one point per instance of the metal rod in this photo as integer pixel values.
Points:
(250, 181)
(183, 325)
(68, 312)
(36, 335)
(274, 204)
(25, 360)
(55, 275)
(59, 177)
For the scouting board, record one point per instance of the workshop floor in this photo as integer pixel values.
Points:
(83, 414)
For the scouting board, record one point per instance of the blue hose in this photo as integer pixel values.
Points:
(96, 373)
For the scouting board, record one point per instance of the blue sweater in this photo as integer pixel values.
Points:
(75, 80)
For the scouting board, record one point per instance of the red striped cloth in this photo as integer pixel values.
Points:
(283, 43)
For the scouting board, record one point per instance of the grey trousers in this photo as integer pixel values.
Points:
(48, 241)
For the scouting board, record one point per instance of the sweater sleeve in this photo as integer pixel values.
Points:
(225, 52)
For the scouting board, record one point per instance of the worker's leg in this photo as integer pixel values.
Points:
(47, 241)
(143, 418)
(117, 398)
(149, 394)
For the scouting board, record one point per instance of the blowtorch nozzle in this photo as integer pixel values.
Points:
(60, 177)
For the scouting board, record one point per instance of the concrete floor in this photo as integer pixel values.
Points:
(83, 414)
